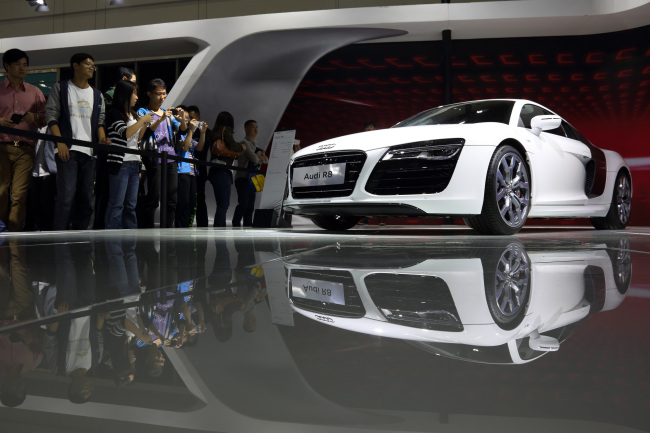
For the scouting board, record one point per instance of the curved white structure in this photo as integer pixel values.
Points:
(251, 65)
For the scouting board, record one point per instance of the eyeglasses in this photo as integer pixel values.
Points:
(90, 65)
(159, 93)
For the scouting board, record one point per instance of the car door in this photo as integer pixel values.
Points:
(558, 163)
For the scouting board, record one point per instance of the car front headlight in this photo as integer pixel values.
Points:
(432, 150)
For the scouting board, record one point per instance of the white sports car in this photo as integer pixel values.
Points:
(493, 162)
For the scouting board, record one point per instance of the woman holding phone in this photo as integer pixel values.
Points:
(125, 131)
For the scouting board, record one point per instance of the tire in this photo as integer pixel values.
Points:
(507, 288)
(506, 202)
(469, 222)
(335, 222)
(620, 209)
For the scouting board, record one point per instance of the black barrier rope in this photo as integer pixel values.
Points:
(164, 156)
(98, 146)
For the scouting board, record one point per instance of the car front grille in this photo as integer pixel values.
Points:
(353, 307)
(354, 163)
(401, 177)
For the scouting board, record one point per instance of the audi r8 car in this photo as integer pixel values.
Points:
(507, 304)
(493, 162)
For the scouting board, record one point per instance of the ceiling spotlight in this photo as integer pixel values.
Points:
(116, 2)
(33, 2)
(42, 7)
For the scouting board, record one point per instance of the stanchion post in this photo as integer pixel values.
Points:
(163, 189)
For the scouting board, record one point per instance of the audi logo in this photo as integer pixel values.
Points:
(324, 319)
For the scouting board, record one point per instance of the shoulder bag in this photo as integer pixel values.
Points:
(219, 148)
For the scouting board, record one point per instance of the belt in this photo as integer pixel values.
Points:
(15, 143)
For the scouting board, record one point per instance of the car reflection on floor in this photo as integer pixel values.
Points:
(508, 304)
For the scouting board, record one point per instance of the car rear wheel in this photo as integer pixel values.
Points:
(507, 194)
(620, 209)
(335, 222)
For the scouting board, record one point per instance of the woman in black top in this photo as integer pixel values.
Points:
(221, 178)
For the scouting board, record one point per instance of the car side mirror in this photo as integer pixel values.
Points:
(544, 123)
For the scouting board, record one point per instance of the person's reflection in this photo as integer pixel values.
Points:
(220, 295)
(16, 297)
(191, 319)
(123, 283)
(22, 350)
(241, 296)
(74, 346)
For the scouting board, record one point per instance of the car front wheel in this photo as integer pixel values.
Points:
(507, 194)
(335, 222)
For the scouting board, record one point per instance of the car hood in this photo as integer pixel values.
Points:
(382, 138)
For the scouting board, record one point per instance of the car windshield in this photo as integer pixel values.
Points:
(465, 113)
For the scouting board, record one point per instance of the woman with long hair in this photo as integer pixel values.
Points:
(221, 178)
(124, 168)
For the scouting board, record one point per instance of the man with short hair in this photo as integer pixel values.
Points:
(22, 106)
(101, 181)
(123, 73)
(160, 137)
(252, 158)
(76, 110)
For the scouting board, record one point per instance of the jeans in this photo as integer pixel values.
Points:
(221, 181)
(101, 190)
(74, 188)
(245, 202)
(123, 197)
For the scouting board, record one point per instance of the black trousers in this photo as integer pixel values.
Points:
(186, 199)
(149, 202)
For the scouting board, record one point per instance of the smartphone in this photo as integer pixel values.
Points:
(174, 111)
(16, 118)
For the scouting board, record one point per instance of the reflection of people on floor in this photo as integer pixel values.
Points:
(74, 346)
(240, 297)
(122, 283)
(20, 351)
(16, 297)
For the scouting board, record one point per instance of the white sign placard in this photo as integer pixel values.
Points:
(276, 171)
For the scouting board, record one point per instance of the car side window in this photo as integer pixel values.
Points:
(570, 132)
(529, 111)
(578, 135)
(557, 131)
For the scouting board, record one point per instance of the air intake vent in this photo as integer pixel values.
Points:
(418, 168)
(416, 301)
(591, 173)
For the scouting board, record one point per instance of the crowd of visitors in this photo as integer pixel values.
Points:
(66, 185)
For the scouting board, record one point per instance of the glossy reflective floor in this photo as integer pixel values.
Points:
(409, 329)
